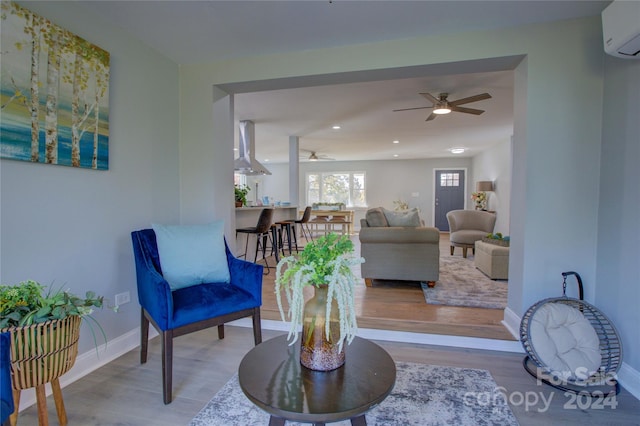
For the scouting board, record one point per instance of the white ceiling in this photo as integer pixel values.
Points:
(368, 124)
(205, 31)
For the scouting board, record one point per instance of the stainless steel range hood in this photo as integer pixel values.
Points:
(246, 162)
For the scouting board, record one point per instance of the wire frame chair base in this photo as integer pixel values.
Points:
(604, 379)
(608, 387)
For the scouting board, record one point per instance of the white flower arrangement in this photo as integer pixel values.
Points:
(480, 198)
(325, 261)
(400, 205)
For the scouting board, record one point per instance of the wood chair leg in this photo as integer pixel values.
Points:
(431, 284)
(451, 250)
(257, 326)
(57, 398)
(167, 364)
(13, 418)
(144, 336)
(41, 402)
(221, 331)
(368, 282)
(464, 252)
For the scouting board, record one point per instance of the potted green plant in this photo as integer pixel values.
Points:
(497, 239)
(45, 329)
(27, 303)
(241, 192)
(328, 319)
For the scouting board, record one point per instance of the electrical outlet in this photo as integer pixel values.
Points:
(122, 298)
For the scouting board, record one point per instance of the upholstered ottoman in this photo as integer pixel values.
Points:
(492, 260)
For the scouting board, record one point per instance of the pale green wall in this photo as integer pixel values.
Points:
(563, 69)
(558, 142)
(71, 226)
(494, 164)
(557, 148)
(618, 275)
(390, 180)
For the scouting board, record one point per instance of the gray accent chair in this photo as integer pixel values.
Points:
(468, 226)
(404, 253)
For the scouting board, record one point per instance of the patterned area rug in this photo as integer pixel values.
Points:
(424, 395)
(462, 284)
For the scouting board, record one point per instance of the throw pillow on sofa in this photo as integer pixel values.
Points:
(376, 218)
(409, 218)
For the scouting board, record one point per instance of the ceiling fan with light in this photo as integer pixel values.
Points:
(314, 156)
(442, 105)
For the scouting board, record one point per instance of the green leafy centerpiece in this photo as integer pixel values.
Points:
(328, 319)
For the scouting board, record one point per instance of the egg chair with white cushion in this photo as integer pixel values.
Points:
(571, 345)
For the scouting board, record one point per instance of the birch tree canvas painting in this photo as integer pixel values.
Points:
(54, 89)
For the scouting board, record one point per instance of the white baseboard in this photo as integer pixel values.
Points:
(90, 361)
(512, 323)
(629, 378)
(441, 340)
(408, 337)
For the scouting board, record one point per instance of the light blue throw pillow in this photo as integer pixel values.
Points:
(408, 218)
(192, 254)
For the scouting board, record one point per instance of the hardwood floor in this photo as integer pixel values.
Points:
(403, 308)
(125, 392)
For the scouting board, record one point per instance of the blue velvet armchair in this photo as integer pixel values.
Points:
(182, 311)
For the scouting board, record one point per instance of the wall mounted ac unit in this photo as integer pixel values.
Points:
(621, 28)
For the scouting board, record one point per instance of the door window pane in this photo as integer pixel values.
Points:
(450, 179)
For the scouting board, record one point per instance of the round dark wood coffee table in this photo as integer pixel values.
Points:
(272, 377)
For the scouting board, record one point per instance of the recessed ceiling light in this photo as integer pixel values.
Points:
(336, 127)
(396, 141)
(395, 155)
(456, 150)
(266, 160)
